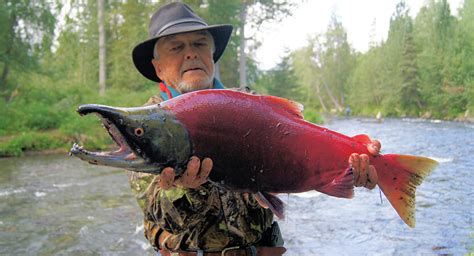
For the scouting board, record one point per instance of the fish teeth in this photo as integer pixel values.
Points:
(75, 148)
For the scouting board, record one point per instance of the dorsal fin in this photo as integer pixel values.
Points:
(363, 138)
(292, 107)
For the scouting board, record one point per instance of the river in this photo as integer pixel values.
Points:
(57, 205)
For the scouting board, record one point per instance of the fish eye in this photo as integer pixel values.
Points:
(139, 131)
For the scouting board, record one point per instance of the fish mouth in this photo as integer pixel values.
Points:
(123, 157)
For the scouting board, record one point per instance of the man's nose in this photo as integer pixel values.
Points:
(191, 53)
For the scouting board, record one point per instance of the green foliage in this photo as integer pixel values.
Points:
(128, 24)
(313, 115)
(304, 72)
(40, 117)
(226, 12)
(26, 31)
(323, 68)
(336, 62)
(31, 141)
(280, 81)
(424, 68)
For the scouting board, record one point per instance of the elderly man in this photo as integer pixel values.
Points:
(188, 215)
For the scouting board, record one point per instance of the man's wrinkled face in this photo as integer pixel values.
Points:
(184, 61)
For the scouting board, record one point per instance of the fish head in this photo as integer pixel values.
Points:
(149, 139)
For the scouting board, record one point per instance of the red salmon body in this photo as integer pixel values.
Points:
(262, 143)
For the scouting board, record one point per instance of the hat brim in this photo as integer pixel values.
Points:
(143, 53)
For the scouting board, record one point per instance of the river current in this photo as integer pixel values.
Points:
(57, 205)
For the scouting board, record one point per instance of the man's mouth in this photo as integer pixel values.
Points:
(193, 69)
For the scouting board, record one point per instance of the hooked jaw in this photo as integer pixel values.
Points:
(123, 157)
(125, 160)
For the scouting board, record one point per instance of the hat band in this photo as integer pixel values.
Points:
(165, 27)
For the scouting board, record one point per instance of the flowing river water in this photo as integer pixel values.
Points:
(57, 205)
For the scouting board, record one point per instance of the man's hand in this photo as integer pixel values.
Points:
(195, 175)
(365, 174)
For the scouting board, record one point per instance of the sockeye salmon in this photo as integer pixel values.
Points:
(258, 144)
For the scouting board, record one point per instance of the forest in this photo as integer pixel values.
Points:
(56, 55)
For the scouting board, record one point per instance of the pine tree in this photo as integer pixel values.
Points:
(410, 97)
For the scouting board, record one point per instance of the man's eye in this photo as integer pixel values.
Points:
(200, 45)
(176, 48)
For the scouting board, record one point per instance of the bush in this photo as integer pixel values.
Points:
(4, 123)
(86, 131)
(313, 116)
(125, 98)
(31, 141)
(41, 116)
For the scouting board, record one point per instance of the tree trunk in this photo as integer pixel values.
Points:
(3, 79)
(242, 55)
(102, 49)
(6, 66)
(343, 100)
(334, 101)
(7, 54)
(318, 92)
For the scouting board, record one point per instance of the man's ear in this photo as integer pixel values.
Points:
(157, 66)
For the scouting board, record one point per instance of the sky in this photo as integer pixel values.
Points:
(312, 17)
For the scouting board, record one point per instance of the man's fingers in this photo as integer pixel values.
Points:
(359, 164)
(196, 173)
(206, 167)
(364, 165)
(372, 178)
(167, 178)
(192, 168)
(374, 147)
(354, 162)
(365, 174)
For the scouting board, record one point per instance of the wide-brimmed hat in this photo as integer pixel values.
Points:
(170, 19)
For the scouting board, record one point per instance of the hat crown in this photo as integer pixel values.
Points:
(171, 15)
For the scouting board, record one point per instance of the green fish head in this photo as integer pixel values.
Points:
(150, 138)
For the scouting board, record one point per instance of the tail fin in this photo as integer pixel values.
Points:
(398, 179)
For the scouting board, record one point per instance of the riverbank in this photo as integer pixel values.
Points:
(50, 142)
